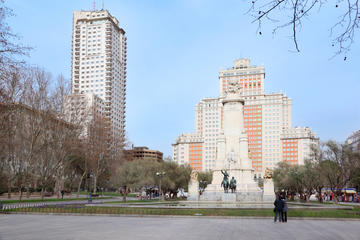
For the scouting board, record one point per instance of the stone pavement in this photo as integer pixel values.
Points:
(25, 227)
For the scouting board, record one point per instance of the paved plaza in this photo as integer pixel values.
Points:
(23, 227)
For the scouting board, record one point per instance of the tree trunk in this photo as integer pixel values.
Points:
(42, 193)
(79, 184)
(95, 182)
(125, 193)
(320, 198)
(20, 194)
(9, 190)
(57, 188)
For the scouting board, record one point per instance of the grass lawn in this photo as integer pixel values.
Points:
(49, 200)
(112, 194)
(138, 201)
(81, 209)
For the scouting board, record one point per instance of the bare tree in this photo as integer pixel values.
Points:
(10, 50)
(98, 143)
(291, 14)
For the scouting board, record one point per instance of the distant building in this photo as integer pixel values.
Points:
(297, 145)
(266, 117)
(143, 153)
(354, 141)
(81, 109)
(188, 150)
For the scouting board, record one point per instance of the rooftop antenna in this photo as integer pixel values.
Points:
(102, 5)
(94, 6)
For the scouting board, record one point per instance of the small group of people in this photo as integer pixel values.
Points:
(280, 209)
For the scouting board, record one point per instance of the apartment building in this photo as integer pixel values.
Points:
(297, 144)
(81, 109)
(99, 53)
(188, 149)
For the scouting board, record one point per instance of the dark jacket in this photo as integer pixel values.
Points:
(279, 205)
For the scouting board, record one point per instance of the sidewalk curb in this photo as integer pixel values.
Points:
(174, 216)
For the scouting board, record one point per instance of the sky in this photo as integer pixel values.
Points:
(177, 47)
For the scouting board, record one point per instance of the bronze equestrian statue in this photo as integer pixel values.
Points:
(225, 181)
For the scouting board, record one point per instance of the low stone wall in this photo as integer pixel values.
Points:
(232, 197)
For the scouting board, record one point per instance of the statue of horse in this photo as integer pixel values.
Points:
(225, 184)
(225, 181)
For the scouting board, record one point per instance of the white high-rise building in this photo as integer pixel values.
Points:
(266, 117)
(99, 63)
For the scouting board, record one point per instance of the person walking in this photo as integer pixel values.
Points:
(284, 211)
(279, 204)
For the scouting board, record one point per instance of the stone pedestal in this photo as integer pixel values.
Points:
(244, 197)
(193, 192)
(232, 158)
(269, 190)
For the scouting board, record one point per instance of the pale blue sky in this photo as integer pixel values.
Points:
(175, 51)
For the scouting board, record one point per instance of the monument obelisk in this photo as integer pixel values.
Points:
(233, 153)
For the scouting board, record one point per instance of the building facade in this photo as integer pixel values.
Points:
(143, 153)
(297, 144)
(81, 109)
(188, 149)
(99, 53)
(354, 141)
(266, 116)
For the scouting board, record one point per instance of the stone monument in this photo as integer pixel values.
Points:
(232, 153)
(269, 190)
(193, 191)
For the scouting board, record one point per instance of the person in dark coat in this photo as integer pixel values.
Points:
(284, 211)
(279, 205)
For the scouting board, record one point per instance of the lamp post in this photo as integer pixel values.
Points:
(90, 188)
(160, 175)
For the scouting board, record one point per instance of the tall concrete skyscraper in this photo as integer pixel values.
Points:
(99, 63)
